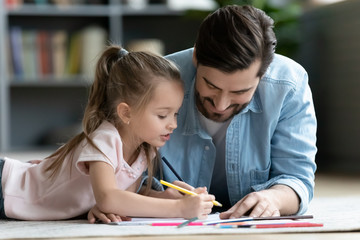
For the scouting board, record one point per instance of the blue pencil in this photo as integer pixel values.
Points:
(172, 169)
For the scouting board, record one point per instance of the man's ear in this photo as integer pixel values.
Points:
(124, 112)
(194, 57)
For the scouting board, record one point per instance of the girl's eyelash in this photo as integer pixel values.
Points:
(164, 116)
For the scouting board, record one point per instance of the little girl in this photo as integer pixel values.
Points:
(132, 110)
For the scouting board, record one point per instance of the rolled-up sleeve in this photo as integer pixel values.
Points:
(293, 145)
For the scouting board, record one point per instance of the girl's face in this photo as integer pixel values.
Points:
(159, 118)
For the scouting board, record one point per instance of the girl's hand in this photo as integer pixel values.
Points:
(177, 194)
(196, 206)
(95, 215)
(201, 190)
(171, 193)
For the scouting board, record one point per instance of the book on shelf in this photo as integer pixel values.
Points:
(13, 3)
(73, 61)
(16, 3)
(59, 47)
(29, 54)
(93, 42)
(8, 50)
(16, 51)
(42, 54)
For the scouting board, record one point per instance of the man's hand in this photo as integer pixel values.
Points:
(276, 201)
(95, 215)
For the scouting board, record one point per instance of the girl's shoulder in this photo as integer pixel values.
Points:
(105, 130)
(108, 146)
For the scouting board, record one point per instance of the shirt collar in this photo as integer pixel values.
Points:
(254, 105)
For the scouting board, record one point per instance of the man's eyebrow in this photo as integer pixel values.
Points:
(236, 92)
(242, 90)
(209, 83)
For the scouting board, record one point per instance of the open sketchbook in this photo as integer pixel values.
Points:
(149, 221)
(213, 219)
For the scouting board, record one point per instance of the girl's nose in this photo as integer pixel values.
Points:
(173, 124)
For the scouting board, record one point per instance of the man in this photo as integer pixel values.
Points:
(247, 126)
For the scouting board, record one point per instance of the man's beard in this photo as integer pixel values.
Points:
(216, 116)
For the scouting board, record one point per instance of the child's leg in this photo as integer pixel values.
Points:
(2, 210)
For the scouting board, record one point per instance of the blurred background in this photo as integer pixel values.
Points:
(49, 48)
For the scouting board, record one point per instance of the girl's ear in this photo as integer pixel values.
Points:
(123, 111)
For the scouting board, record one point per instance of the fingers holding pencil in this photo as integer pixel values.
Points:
(198, 190)
(199, 205)
(184, 185)
(193, 205)
(186, 191)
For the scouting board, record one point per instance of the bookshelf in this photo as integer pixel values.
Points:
(38, 108)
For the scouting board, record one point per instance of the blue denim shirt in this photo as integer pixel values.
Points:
(272, 141)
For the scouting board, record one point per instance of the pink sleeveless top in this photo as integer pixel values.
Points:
(30, 195)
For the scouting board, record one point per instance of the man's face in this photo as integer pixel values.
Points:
(220, 95)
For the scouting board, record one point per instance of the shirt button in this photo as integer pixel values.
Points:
(207, 148)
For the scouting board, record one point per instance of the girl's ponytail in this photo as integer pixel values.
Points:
(119, 77)
(96, 110)
(97, 107)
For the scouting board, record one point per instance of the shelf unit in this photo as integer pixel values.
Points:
(33, 112)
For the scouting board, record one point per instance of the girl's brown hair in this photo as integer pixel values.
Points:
(119, 77)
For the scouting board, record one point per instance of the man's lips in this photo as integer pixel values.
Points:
(214, 110)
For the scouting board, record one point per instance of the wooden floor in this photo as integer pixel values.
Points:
(335, 184)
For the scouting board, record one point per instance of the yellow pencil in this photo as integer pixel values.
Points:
(183, 190)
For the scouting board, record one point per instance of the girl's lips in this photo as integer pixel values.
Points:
(165, 137)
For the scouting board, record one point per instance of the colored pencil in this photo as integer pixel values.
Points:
(274, 225)
(172, 169)
(167, 224)
(188, 222)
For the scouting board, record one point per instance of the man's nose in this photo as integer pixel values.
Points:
(222, 102)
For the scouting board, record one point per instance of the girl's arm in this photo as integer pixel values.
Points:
(110, 199)
(95, 215)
